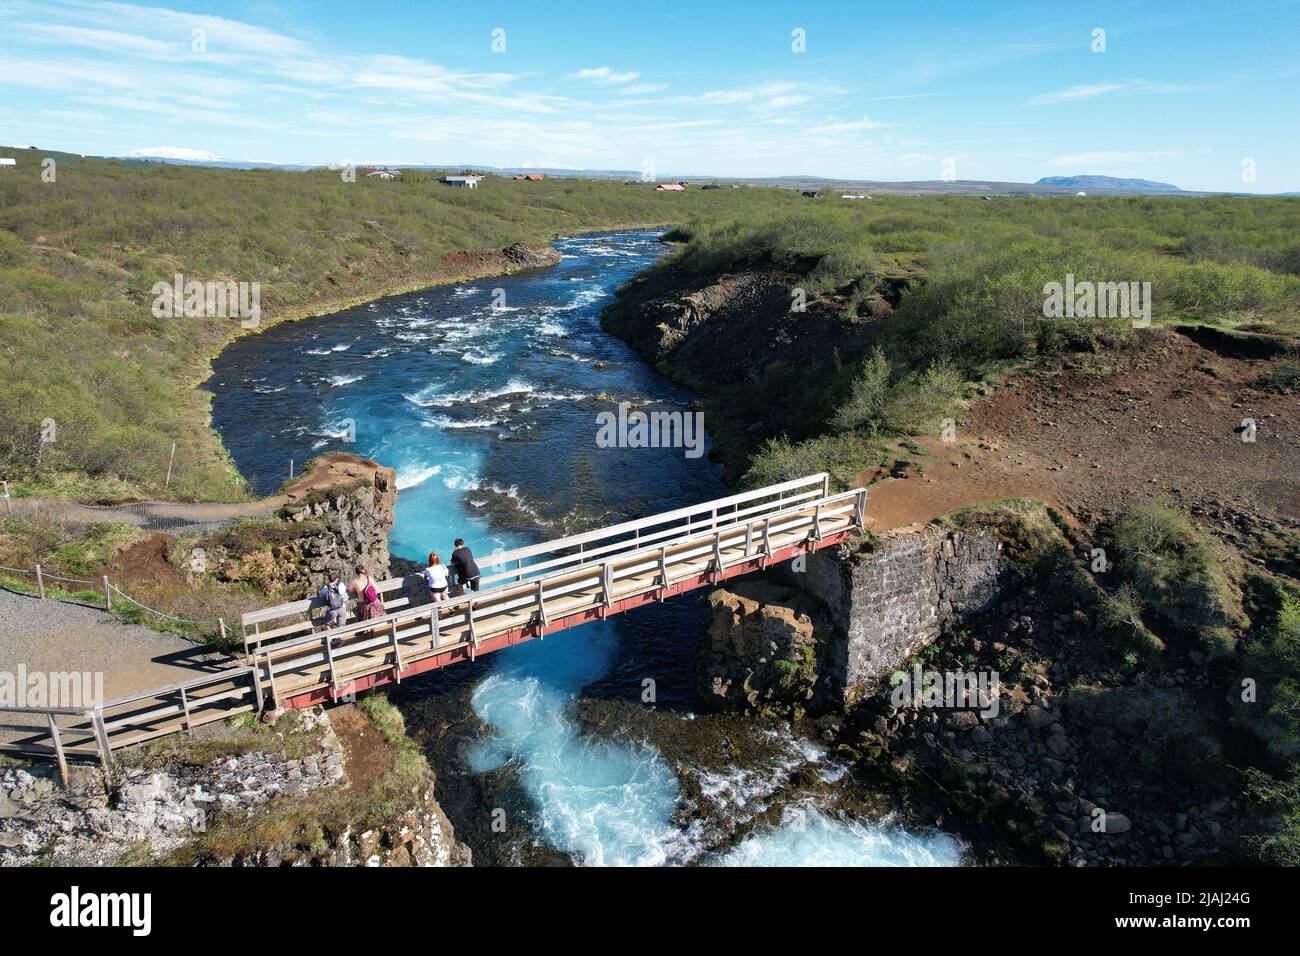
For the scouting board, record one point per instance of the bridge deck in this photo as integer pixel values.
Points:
(545, 588)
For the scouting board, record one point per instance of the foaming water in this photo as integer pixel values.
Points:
(808, 837)
(604, 802)
(488, 417)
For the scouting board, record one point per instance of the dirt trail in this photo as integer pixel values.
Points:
(1165, 419)
(182, 517)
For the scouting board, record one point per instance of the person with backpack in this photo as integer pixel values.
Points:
(436, 578)
(368, 604)
(335, 597)
(464, 567)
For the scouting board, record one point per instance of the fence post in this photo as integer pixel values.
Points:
(221, 623)
(170, 458)
(108, 598)
(9, 508)
(101, 738)
(40, 583)
(58, 750)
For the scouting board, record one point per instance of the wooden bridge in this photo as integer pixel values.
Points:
(531, 592)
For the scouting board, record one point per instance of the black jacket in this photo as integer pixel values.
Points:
(463, 566)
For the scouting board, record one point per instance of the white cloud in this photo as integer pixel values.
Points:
(174, 152)
(835, 127)
(1075, 94)
(603, 74)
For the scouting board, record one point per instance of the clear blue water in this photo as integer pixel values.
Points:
(488, 416)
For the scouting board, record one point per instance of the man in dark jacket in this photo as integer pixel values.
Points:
(463, 566)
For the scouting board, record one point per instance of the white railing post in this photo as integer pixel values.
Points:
(108, 598)
(542, 621)
(101, 739)
(58, 750)
(329, 656)
(473, 636)
(40, 583)
(397, 651)
(860, 508)
(255, 674)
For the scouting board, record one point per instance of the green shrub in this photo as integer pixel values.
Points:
(1270, 660)
(1278, 842)
(1177, 573)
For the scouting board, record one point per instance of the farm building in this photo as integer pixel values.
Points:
(670, 188)
(384, 173)
(469, 181)
(7, 162)
(530, 177)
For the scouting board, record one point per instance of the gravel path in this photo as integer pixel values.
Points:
(54, 636)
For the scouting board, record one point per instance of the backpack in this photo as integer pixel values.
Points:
(333, 597)
(372, 595)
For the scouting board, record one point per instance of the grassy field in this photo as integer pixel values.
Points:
(972, 272)
(79, 258)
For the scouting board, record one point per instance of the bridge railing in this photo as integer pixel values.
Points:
(130, 719)
(332, 658)
(286, 621)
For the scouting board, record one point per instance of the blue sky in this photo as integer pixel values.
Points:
(1186, 92)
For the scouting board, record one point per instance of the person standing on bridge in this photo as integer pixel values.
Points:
(436, 578)
(368, 604)
(464, 567)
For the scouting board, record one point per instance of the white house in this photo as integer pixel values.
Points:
(464, 182)
(5, 161)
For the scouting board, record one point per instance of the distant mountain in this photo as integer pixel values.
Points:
(1108, 182)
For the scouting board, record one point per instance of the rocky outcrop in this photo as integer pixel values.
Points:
(762, 649)
(725, 329)
(772, 647)
(151, 810)
(338, 514)
(520, 256)
(161, 807)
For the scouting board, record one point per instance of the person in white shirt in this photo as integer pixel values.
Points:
(435, 578)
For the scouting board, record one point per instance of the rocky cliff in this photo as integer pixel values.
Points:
(338, 514)
(237, 793)
(761, 353)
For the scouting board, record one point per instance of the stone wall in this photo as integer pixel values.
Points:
(893, 600)
(862, 614)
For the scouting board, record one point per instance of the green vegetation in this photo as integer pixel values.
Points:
(1176, 574)
(1270, 664)
(79, 258)
(965, 276)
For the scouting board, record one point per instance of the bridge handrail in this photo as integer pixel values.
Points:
(306, 605)
(454, 604)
